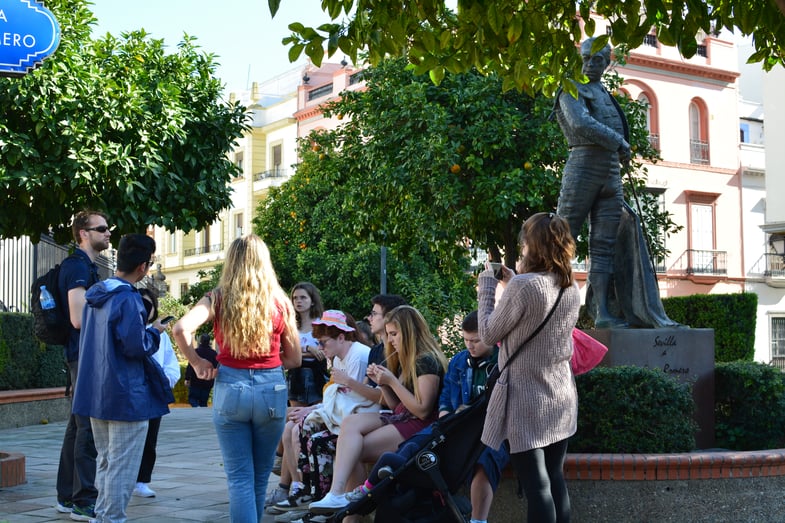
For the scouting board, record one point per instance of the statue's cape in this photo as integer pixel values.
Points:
(635, 295)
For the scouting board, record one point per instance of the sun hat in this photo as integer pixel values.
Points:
(334, 318)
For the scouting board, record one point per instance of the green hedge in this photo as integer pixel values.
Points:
(749, 406)
(732, 316)
(633, 410)
(180, 391)
(26, 363)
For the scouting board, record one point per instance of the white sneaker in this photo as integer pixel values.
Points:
(143, 491)
(329, 504)
(65, 507)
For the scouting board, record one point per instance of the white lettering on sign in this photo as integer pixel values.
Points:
(2, 16)
(16, 40)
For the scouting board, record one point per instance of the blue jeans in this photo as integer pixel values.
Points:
(249, 413)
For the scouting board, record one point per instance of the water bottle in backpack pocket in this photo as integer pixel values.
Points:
(50, 324)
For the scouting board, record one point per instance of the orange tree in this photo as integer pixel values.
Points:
(431, 172)
(307, 224)
(121, 124)
(531, 44)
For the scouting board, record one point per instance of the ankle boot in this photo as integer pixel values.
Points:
(603, 319)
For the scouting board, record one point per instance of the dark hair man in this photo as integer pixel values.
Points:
(120, 387)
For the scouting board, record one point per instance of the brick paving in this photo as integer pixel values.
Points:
(188, 478)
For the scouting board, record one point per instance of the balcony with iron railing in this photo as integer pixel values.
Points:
(584, 266)
(654, 140)
(775, 265)
(707, 263)
(276, 172)
(769, 268)
(699, 152)
(775, 269)
(205, 249)
(319, 92)
(357, 77)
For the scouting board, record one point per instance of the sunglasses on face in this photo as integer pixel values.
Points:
(101, 228)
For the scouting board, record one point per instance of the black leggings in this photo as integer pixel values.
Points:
(541, 473)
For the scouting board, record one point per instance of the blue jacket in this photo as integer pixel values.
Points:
(457, 389)
(117, 378)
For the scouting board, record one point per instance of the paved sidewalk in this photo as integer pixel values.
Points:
(188, 478)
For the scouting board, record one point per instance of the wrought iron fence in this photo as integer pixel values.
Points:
(24, 261)
(699, 152)
(707, 262)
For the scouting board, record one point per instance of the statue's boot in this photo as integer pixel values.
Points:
(603, 319)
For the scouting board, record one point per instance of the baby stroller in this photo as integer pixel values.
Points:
(423, 489)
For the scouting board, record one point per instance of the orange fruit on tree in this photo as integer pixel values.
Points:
(455, 169)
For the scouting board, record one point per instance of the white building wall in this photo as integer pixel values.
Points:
(672, 83)
(763, 164)
(774, 103)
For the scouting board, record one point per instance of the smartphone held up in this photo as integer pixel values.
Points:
(498, 272)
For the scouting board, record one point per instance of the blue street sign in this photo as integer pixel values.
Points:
(29, 33)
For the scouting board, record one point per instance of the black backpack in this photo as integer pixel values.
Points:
(51, 326)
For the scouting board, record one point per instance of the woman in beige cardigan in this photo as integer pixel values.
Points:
(534, 405)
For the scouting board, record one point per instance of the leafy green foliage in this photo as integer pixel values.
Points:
(169, 306)
(307, 225)
(430, 172)
(208, 280)
(633, 410)
(416, 168)
(180, 391)
(749, 401)
(117, 124)
(446, 162)
(732, 316)
(530, 45)
(26, 363)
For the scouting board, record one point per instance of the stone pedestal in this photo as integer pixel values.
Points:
(684, 353)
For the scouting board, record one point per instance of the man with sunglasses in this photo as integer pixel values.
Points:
(76, 492)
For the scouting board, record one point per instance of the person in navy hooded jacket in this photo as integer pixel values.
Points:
(119, 387)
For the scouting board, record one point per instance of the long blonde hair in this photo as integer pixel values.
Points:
(250, 297)
(416, 342)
